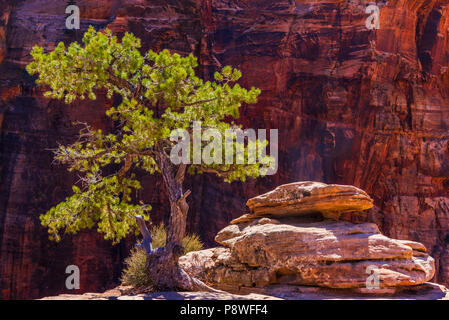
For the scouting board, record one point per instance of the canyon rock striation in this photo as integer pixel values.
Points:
(368, 108)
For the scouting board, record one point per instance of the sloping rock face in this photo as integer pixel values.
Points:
(353, 106)
(324, 254)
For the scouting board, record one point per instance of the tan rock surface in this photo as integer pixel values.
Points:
(427, 291)
(305, 197)
(169, 295)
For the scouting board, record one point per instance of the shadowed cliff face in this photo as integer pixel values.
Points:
(354, 106)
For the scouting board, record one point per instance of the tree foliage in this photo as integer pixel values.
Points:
(159, 92)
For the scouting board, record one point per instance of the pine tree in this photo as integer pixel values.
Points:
(159, 94)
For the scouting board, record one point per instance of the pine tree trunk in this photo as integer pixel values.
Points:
(162, 264)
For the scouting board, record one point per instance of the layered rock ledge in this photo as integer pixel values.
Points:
(301, 248)
(305, 197)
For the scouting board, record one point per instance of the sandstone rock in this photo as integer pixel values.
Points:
(322, 254)
(427, 291)
(169, 295)
(307, 197)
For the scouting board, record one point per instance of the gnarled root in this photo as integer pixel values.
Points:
(166, 274)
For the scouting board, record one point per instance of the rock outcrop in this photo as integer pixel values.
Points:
(354, 106)
(302, 198)
(299, 250)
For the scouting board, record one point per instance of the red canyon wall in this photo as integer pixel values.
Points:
(352, 105)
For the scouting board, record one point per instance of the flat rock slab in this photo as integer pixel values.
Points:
(306, 197)
(169, 295)
(329, 254)
(427, 291)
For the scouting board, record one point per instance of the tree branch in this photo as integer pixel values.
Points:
(147, 239)
(198, 102)
(180, 173)
(128, 163)
(215, 171)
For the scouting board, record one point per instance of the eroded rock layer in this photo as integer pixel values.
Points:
(306, 197)
(326, 254)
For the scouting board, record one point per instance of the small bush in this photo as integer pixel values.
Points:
(192, 242)
(159, 235)
(135, 274)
